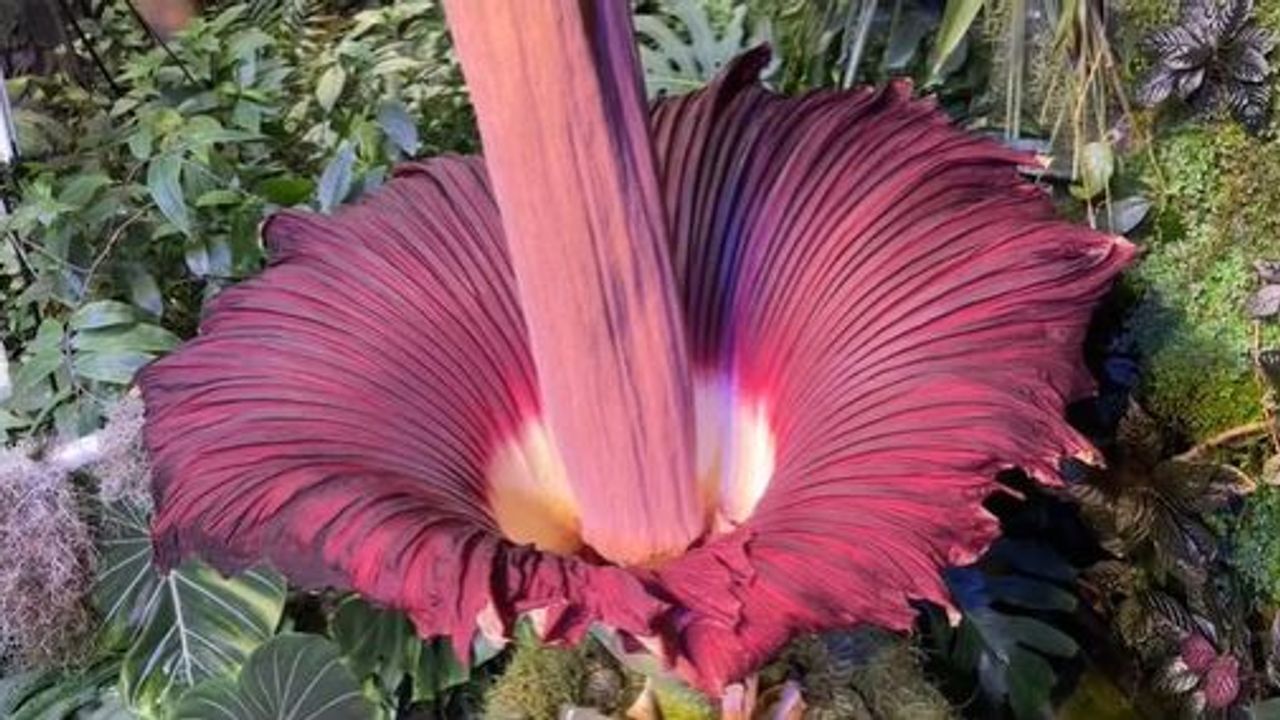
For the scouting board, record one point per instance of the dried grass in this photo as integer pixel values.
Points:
(46, 564)
(122, 469)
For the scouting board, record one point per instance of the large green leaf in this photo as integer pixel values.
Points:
(1010, 651)
(291, 676)
(183, 627)
(682, 50)
(56, 694)
(383, 644)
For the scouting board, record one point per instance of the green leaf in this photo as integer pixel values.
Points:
(183, 627)
(82, 188)
(330, 87)
(204, 135)
(1125, 215)
(218, 198)
(399, 126)
(101, 314)
(139, 337)
(117, 367)
(910, 24)
(383, 644)
(30, 391)
(291, 676)
(1097, 163)
(144, 291)
(196, 256)
(335, 181)
(140, 143)
(58, 693)
(956, 21)
(286, 190)
(1033, 594)
(165, 185)
(673, 64)
(1008, 650)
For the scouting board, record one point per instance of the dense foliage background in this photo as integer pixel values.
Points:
(148, 159)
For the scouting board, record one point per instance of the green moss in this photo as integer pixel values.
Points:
(1218, 193)
(1257, 543)
(537, 684)
(677, 702)
(861, 675)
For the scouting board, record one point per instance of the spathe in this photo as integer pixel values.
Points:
(847, 316)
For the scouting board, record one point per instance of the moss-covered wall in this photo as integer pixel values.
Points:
(1217, 191)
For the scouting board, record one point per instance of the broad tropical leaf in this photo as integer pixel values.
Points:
(383, 644)
(183, 626)
(291, 676)
(682, 50)
(1009, 650)
(59, 693)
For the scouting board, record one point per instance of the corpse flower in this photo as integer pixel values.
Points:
(710, 373)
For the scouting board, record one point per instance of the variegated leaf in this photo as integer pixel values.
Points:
(182, 627)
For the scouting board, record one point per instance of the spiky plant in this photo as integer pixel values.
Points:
(1214, 59)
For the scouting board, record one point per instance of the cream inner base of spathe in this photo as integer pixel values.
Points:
(532, 500)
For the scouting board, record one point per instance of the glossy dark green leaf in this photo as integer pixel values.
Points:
(1008, 649)
(1028, 593)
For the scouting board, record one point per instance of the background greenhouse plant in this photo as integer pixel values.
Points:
(1178, 337)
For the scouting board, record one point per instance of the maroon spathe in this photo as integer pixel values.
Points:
(902, 305)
